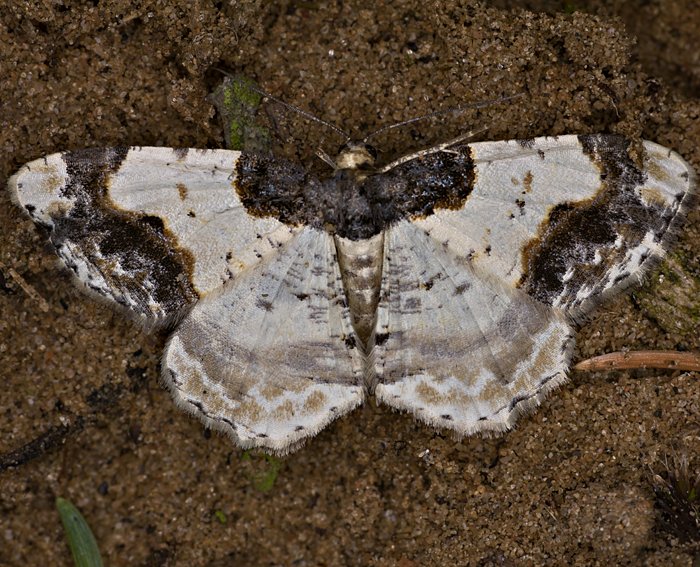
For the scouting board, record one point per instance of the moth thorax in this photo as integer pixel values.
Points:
(354, 155)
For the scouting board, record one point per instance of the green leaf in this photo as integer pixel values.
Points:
(82, 543)
(237, 104)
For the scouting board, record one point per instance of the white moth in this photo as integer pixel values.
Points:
(446, 283)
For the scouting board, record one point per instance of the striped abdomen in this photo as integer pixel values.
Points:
(361, 268)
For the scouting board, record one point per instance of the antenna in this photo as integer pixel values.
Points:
(286, 105)
(444, 147)
(455, 109)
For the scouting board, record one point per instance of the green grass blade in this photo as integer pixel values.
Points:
(80, 539)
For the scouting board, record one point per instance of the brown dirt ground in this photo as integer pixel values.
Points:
(569, 485)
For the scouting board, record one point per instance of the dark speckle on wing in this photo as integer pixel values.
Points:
(580, 237)
(134, 253)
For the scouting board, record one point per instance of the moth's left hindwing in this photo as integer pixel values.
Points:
(151, 229)
(272, 357)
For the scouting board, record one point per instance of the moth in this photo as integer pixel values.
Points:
(447, 283)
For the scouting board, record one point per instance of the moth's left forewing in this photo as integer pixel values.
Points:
(193, 193)
(150, 229)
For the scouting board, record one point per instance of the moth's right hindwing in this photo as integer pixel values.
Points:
(458, 347)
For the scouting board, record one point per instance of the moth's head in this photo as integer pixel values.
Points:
(355, 155)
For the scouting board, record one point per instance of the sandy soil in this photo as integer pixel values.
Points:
(83, 414)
